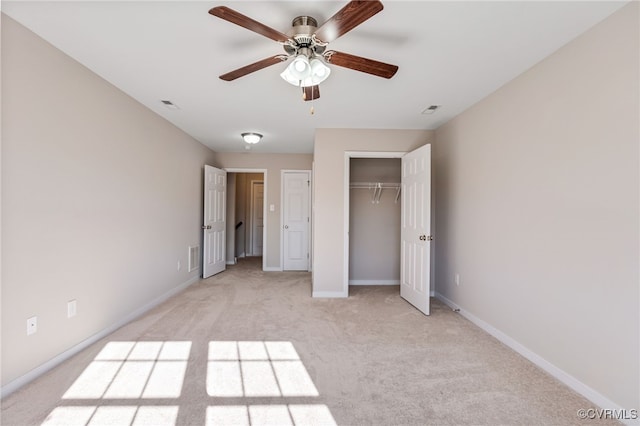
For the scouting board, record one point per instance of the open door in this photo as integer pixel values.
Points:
(214, 228)
(415, 234)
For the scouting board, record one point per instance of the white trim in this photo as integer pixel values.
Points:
(243, 170)
(265, 244)
(252, 184)
(575, 384)
(272, 269)
(329, 294)
(374, 282)
(19, 382)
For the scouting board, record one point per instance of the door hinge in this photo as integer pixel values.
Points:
(308, 183)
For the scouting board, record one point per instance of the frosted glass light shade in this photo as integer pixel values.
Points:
(304, 73)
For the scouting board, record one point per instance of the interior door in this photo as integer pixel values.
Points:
(415, 267)
(295, 218)
(257, 217)
(214, 227)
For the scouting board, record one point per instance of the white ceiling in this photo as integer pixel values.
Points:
(450, 53)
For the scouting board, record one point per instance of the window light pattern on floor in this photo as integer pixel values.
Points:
(154, 370)
(259, 415)
(257, 369)
(113, 415)
(132, 370)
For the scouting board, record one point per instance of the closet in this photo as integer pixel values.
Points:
(374, 221)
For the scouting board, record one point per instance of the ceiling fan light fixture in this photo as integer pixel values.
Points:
(319, 71)
(251, 137)
(289, 78)
(300, 67)
(315, 73)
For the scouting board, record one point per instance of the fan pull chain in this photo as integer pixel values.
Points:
(312, 111)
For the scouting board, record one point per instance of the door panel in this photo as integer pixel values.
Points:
(214, 228)
(415, 229)
(295, 209)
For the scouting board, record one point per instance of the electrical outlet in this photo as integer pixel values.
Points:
(179, 266)
(457, 278)
(32, 325)
(71, 308)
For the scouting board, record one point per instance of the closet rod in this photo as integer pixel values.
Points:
(377, 188)
(372, 185)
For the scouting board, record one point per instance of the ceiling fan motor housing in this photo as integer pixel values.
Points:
(302, 30)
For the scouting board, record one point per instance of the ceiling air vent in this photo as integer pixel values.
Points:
(170, 104)
(431, 109)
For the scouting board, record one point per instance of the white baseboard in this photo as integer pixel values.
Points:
(16, 384)
(374, 282)
(329, 294)
(272, 269)
(575, 384)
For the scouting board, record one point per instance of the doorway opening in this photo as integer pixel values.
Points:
(374, 250)
(246, 213)
(372, 218)
(374, 221)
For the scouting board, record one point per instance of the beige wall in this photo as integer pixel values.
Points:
(329, 195)
(537, 209)
(273, 164)
(100, 200)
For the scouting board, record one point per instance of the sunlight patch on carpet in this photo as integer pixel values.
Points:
(256, 369)
(132, 370)
(156, 370)
(258, 415)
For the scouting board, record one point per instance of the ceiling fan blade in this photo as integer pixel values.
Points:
(347, 18)
(237, 18)
(310, 93)
(359, 63)
(248, 69)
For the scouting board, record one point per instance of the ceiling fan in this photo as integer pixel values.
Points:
(306, 43)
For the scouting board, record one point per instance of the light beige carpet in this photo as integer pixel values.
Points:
(279, 356)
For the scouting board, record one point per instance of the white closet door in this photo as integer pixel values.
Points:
(415, 235)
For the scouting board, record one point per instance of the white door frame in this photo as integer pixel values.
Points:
(348, 155)
(252, 190)
(309, 227)
(264, 229)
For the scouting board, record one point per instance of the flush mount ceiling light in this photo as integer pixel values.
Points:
(251, 137)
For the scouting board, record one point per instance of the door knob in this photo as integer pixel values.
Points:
(286, 227)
